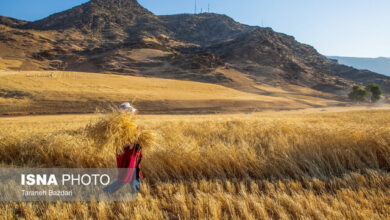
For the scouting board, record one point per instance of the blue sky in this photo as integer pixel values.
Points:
(334, 27)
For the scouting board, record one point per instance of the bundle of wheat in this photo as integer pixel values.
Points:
(146, 139)
(115, 130)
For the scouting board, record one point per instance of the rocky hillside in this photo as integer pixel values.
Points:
(120, 36)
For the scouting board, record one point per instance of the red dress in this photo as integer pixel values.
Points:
(128, 162)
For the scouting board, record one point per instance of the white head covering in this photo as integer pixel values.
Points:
(127, 106)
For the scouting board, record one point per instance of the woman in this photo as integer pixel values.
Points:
(128, 163)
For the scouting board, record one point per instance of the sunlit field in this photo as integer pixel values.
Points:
(242, 166)
(57, 92)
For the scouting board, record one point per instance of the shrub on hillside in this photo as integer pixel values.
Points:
(374, 92)
(358, 94)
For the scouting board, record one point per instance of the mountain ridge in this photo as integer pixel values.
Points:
(121, 36)
(379, 64)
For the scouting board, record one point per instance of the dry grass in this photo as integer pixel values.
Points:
(78, 85)
(53, 92)
(261, 166)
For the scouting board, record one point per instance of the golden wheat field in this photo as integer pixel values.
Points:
(257, 166)
(59, 92)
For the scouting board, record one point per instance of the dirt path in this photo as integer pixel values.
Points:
(341, 109)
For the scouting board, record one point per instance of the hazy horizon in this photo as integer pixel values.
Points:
(334, 28)
(357, 57)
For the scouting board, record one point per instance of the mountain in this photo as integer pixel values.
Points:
(122, 37)
(203, 29)
(379, 65)
(11, 22)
